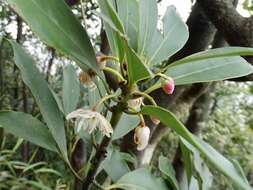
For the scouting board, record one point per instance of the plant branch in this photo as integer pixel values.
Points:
(101, 152)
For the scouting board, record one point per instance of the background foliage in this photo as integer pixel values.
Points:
(22, 165)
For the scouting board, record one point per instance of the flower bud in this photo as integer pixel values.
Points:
(85, 79)
(155, 120)
(168, 85)
(101, 62)
(135, 103)
(141, 137)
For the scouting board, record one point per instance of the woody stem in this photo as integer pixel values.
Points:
(101, 152)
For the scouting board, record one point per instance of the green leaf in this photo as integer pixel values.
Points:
(187, 160)
(215, 158)
(128, 14)
(204, 175)
(141, 179)
(108, 10)
(137, 70)
(167, 169)
(125, 125)
(239, 169)
(56, 25)
(48, 171)
(42, 94)
(211, 69)
(115, 166)
(33, 166)
(38, 185)
(71, 89)
(175, 35)
(214, 53)
(113, 27)
(27, 127)
(58, 100)
(192, 186)
(148, 15)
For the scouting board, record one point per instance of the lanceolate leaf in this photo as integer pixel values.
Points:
(215, 158)
(214, 53)
(27, 127)
(125, 125)
(128, 13)
(71, 89)
(187, 160)
(203, 175)
(175, 35)
(55, 24)
(115, 166)
(211, 69)
(148, 15)
(42, 94)
(113, 22)
(137, 70)
(167, 169)
(141, 179)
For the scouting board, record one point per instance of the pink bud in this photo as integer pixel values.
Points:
(168, 86)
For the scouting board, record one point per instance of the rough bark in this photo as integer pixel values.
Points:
(78, 159)
(15, 69)
(236, 29)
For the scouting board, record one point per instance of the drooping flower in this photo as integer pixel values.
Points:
(141, 137)
(89, 120)
(168, 85)
(135, 103)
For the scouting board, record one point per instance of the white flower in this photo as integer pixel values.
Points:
(89, 120)
(141, 137)
(135, 103)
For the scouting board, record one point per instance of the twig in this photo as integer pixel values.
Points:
(101, 151)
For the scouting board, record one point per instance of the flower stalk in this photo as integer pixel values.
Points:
(116, 73)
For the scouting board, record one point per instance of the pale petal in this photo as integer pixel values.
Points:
(79, 125)
(135, 103)
(79, 113)
(92, 124)
(142, 137)
(105, 126)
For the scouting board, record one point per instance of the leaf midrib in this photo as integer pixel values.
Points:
(164, 40)
(206, 69)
